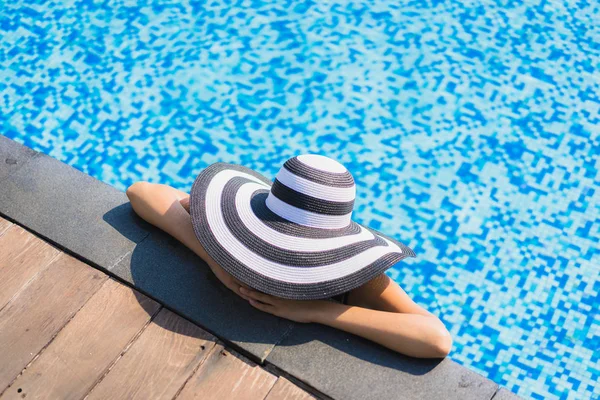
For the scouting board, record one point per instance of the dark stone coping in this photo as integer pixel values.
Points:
(94, 222)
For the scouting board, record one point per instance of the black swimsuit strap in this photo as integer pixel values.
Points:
(342, 298)
(345, 298)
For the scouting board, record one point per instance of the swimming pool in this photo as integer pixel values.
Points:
(472, 130)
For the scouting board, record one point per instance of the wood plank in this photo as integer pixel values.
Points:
(227, 375)
(22, 256)
(4, 225)
(286, 390)
(80, 354)
(159, 361)
(32, 318)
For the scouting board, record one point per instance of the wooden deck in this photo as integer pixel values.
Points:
(68, 331)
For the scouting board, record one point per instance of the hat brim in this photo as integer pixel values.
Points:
(276, 256)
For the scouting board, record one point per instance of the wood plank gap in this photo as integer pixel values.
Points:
(284, 389)
(158, 363)
(215, 346)
(122, 353)
(270, 390)
(68, 263)
(81, 352)
(301, 384)
(47, 344)
(226, 343)
(227, 374)
(196, 369)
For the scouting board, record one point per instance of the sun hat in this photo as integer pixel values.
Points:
(294, 237)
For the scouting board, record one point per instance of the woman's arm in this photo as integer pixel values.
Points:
(411, 334)
(415, 335)
(418, 326)
(383, 294)
(161, 205)
(168, 209)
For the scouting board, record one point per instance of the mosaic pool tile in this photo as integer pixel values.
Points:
(472, 129)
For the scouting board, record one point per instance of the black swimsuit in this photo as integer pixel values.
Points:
(342, 298)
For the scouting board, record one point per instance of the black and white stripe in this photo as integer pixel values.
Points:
(314, 191)
(242, 231)
(328, 174)
(294, 238)
(310, 203)
(275, 222)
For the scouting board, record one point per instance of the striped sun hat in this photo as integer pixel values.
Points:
(294, 237)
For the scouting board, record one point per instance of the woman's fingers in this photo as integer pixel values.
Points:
(238, 285)
(234, 285)
(263, 298)
(242, 284)
(242, 295)
(261, 306)
(236, 290)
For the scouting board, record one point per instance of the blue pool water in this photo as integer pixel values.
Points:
(472, 129)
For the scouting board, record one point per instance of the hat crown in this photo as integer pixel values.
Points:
(315, 191)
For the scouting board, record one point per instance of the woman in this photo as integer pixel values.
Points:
(290, 247)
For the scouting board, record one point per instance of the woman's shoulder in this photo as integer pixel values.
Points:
(384, 294)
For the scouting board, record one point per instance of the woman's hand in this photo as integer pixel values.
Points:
(411, 334)
(295, 310)
(227, 279)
